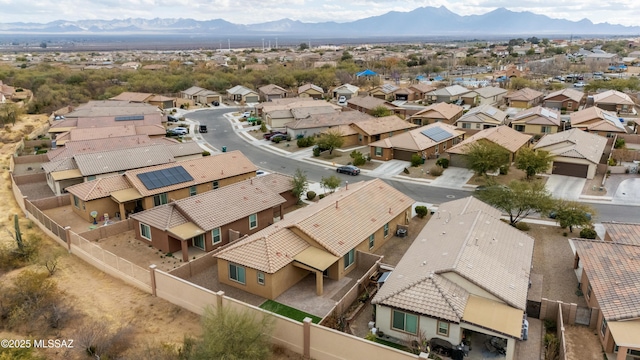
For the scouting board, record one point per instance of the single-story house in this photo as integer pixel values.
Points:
(285, 116)
(427, 141)
(214, 218)
(567, 99)
(598, 121)
(609, 274)
(243, 95)
(576, 152)
(404, 94)
(502, 135)
(626, 233)
(438, 112)
(466, 275)
(384, 92)
(448, 94)
(481, 117)
(271, 91)
(613, 100)
(312, 241)
(373, 129)
(141, 189)
(310, 90)
(488, 95)
(317, 123)
(201, 95)
(536, 121)
(524, 98)
(420, 91)
(367, 104)
(136, 97)
(346, 90)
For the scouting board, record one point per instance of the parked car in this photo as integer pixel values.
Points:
(579, 84)
(246, 114)
(215, 103)
(268, 135)
(342, 100)
(178, 131)
(58, 117)
(262, 173)
(203, 128)
(279, 137)
(348, 169)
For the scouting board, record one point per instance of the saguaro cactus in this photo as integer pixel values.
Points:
(18, 233)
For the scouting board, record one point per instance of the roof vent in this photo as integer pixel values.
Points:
(444, 232)
(424, 263)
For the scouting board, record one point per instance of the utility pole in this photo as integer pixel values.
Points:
(229, 44)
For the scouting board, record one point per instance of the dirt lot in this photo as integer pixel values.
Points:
(513, 174)
(553, 258)
(422, 171)
(582, 343)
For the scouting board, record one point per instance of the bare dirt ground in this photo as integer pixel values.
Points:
(422, 171)
(582, 343)
(553, 258)
(594, 187)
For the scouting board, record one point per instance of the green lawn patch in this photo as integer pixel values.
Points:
(391, 344)
(288, 311)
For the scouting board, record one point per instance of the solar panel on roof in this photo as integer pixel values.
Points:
(436, 134)
(164, 177)
(129, 118)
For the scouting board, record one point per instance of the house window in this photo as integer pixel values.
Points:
(603, 327)
(386, 229)
(92, 177)
(193, 190)
(518, 128)
(372, 241)
(443, 328)
(253, 221)
(215, 184)
(76, 202)
(378, 151)
(260, 278)
(359, 137)
(478, 126)
(349, 258)
(215, 236)
(466, 126)
(545, 129)
(610, 135)
(589, 290)
(390, 133)
(236, 273)
(569, 105)
(404, 322)
(198, 241)
(159, 199)
(145, 231)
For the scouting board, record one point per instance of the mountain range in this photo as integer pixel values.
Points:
(423, 21)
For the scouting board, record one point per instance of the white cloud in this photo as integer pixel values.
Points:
(624, 12)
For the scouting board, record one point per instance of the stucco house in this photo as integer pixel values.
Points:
(427, 141)
(346, 90)
(311, 90)
(201, 95)
(420, 90)
(465, 277)
(212, 219)
(373, 129)
(367, 104)
(384, 92)
(315, 124)
(278, 112)
(438, 112)
(576, 152)
(503, 135)
(524, 98)
(481, 117)
(271, 91)
(447, 94)
(566, 99)
(323, 240)
(488, 95)
(597, 121)
(242, 95)
(536, 121)
(615, 101)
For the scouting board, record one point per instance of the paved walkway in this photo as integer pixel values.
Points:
(389, 168)
(531, 349)
(565, 187)
(453, 178)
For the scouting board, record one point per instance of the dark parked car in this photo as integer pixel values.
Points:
(348, 169)
(215, 103)
(268, 135)
(279, 137)
(203, 128)
(172, 118)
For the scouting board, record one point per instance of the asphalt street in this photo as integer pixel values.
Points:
(220, 133)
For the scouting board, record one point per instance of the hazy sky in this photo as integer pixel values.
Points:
(625, 12)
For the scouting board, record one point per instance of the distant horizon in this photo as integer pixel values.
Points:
(255, 12)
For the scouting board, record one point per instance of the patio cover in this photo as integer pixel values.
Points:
(316, 258)
(122, 196)
(626, 333)
(186, 231)
(494, 316)
(66, 174)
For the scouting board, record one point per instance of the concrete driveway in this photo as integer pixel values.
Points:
(628, 192)
(565, 187)
(453, 177)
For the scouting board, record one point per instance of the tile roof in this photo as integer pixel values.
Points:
(422, 87)
(71, 148)
(192, 90)
(219, 207)
(490, 91)
(537, 115)
(383, 124)
(502, 135)
(484, 114)
(338, 223)
(452, 90)
(439, 110)
(99, 188)
(347, 88)
(328, 119)
(271, 89)
(184, 149)
(577, 144)
(124, 159)
(203, 170)
(101, 133)
(596, 119)
(612, 97)
(569, 93)
(132, 96)
(240, 90)
(613, 271)
(525, 94)
(59, 165)
(623, 233)
(415, 140)
(306, 87)
(464, 240)
(112, 108)
(370, 102)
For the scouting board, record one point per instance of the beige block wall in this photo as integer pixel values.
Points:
(102, 206)
(275, 284)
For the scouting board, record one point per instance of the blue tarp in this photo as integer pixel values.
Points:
(366, 73)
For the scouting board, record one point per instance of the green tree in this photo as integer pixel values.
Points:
(332, 183)
(330, 140)
(380, 111)
(572, 213)
(299, 184)
(9, 113)
(533, 162)
(518, 199)
(232, 335)
(303, 46)
(485, 156)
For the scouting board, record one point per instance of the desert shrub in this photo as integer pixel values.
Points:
(259, 122)
(504, 170)
(444, 162)
(316, 151)
(206, 153)
(416, 160)
(101, 339)
(305, 142)
(550, 325)
(436, 170)
(321, 196)
(277, 140)
(522, 226)
(311, 195)
(358, 158)
(588, 233)
(421, 211)
(263, 127)
(620, 143)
